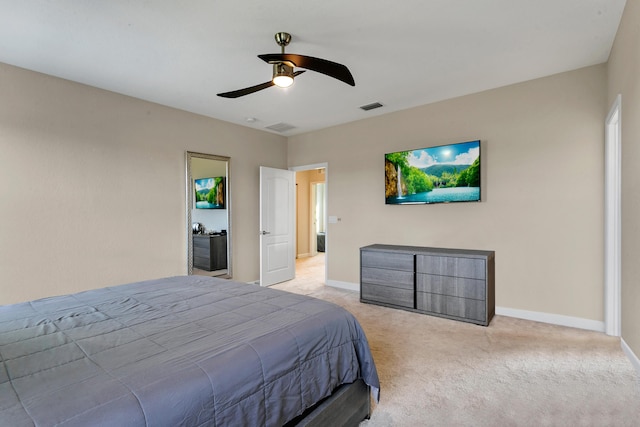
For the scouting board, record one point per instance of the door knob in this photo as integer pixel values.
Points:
(265, 232)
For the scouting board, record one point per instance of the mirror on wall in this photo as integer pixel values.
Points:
(319, 214)
(208, 206)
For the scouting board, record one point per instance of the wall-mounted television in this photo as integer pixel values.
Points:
(210, 193)
(443, 174)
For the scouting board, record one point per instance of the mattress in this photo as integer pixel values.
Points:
(188, 350)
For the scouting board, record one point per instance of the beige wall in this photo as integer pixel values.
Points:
(542, 188)
(92, 186)
(624, 79)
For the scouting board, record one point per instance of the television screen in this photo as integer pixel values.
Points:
(444, 174)
(210, 193)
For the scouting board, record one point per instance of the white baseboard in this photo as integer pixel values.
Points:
(303, 255)
(355, 287)
(631, 355)
(554, 319)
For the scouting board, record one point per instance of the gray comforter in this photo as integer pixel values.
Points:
(189, 350)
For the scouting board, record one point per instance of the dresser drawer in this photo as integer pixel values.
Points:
(463, 308)
(472, 268)
(201, 252)
(452, 286)
(384, 277)
(387, 295)
(390, 260)
(203, 242)
(202, 263)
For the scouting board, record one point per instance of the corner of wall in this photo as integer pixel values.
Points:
(633, 358)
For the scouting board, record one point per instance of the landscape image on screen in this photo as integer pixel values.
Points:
(443, 174)
(209, 193)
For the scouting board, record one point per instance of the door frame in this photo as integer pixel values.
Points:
(613, 220)
(324, 166)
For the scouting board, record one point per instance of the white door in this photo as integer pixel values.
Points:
(277, 226)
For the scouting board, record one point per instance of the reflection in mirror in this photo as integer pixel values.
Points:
(319, 214)
(208, 206)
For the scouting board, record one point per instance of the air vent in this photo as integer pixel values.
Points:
(372, 106)
(280, 127)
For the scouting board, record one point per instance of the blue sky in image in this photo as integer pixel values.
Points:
(454, 154)
(204, 183)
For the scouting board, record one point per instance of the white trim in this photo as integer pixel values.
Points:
(612, 219)
(355, 287)
(631, 355)
(309, 167)
(554, 319)
(536, 316)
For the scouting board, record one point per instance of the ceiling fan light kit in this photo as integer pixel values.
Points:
(282, 75)
(283, 69)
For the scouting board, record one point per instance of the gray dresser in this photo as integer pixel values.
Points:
(210, 251)
(453, 283)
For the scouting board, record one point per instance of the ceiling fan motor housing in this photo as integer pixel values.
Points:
(283, 39)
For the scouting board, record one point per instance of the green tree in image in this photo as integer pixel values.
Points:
(400, 159)
(471, 176)
(414, 179)
(417, 181)
(211, 197)
(462, 179)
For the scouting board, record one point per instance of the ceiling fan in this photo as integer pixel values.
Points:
(283, 65)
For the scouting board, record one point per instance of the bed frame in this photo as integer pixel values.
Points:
(347, 406)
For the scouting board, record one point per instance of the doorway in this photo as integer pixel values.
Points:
(208, 212)
(311, 220)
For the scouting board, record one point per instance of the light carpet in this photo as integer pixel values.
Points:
(440, 372)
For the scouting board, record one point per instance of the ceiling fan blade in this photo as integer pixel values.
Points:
(249, 90)
(329, 68)
(246, 91)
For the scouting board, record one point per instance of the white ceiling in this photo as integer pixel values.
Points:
(402, 53)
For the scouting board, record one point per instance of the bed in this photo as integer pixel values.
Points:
(188, 350)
